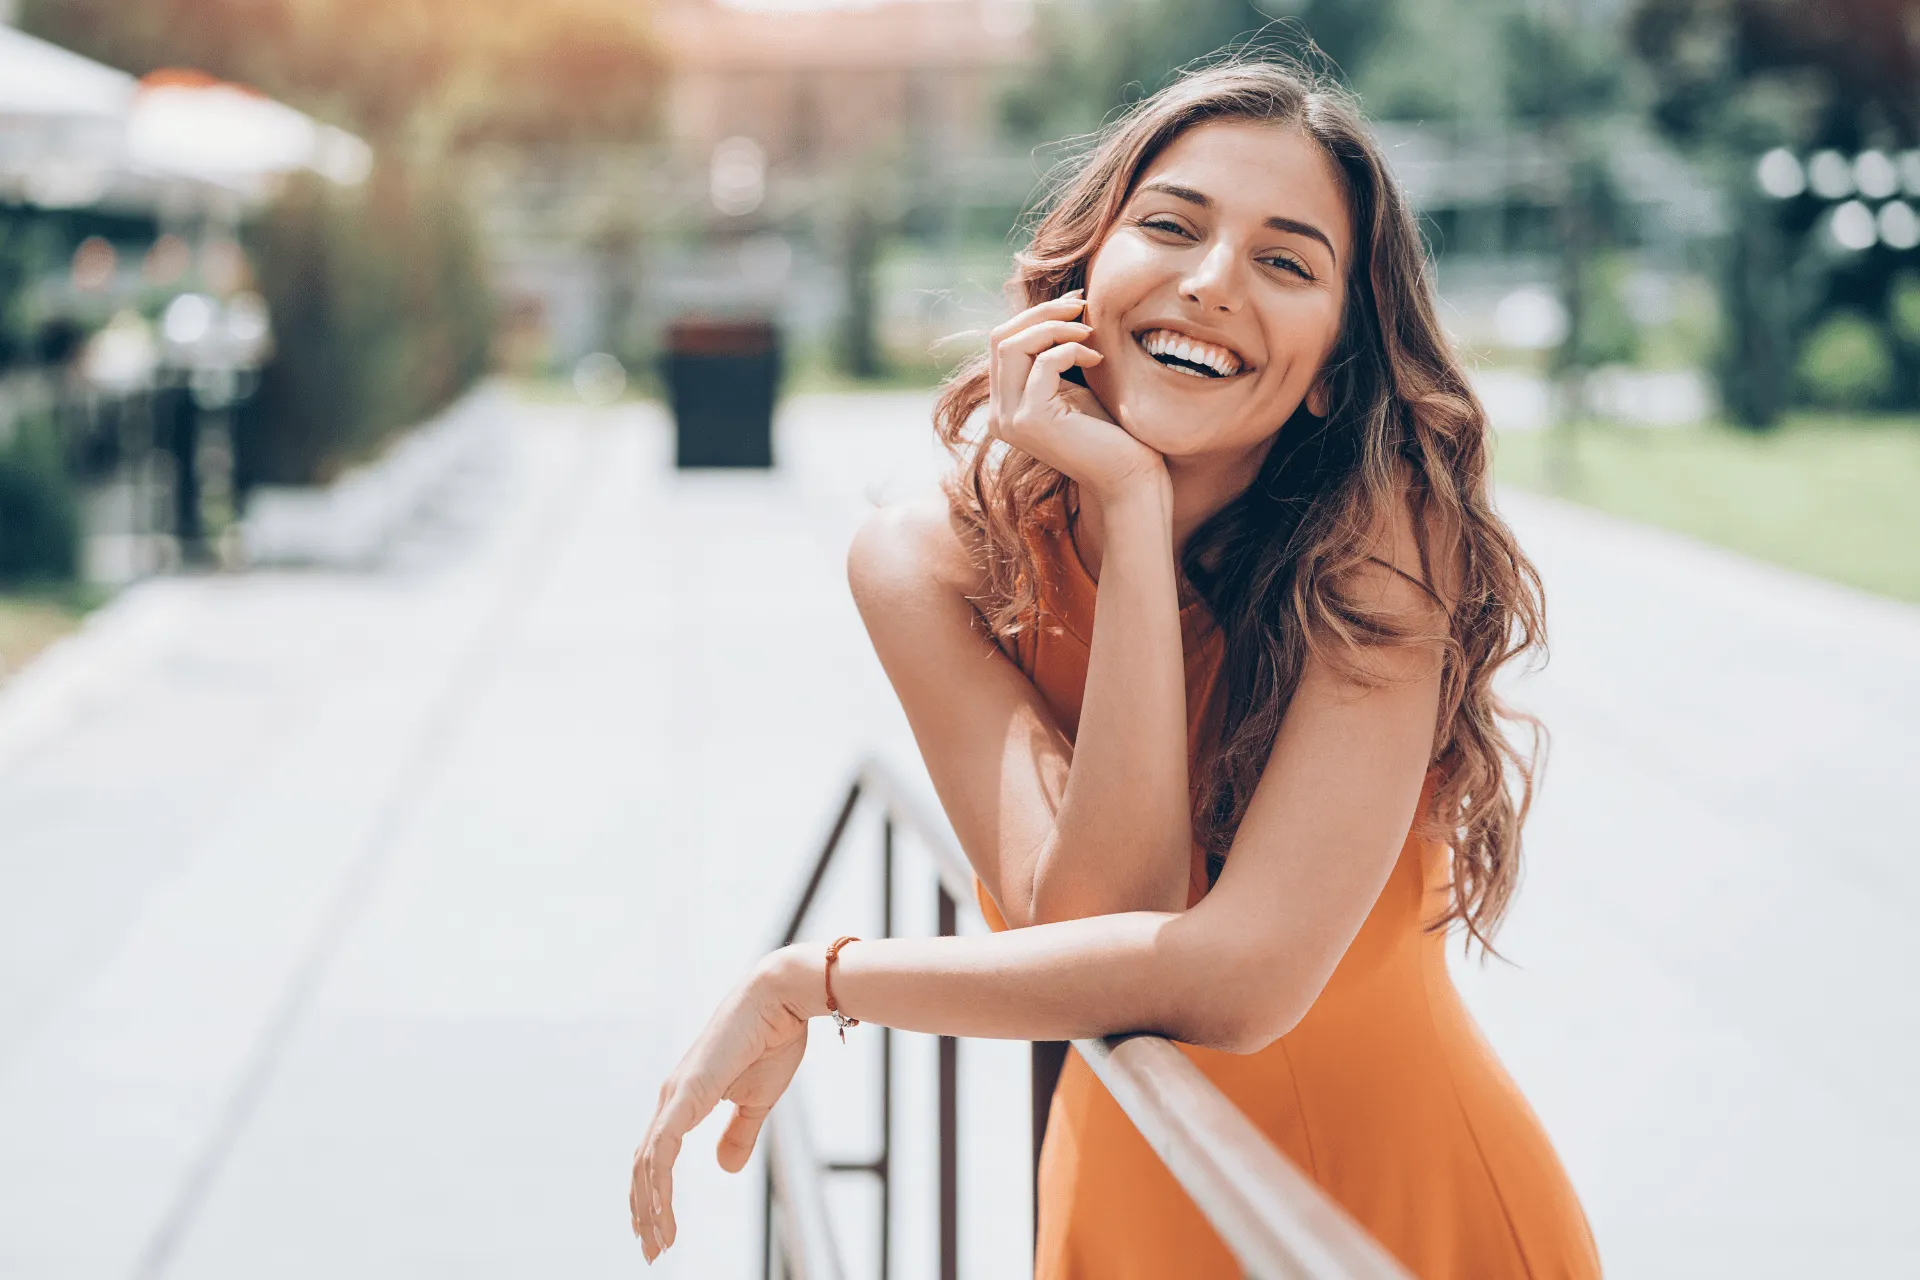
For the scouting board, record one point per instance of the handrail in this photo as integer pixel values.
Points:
(927, 823)
(1273, 1218)
(805, 1231)
(1276, 1221)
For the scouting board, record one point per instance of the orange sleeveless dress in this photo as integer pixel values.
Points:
(1385, 1093)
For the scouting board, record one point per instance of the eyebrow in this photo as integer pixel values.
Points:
(1278, 223)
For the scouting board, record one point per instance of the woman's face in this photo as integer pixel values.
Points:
(1216, 297)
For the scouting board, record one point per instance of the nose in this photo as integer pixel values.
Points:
(1214, 284)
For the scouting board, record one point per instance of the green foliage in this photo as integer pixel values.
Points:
(1903, 307)
(1608, 334)
(381, 316)
(1766, 73)
(1845, 363)
(1692, 337)
(1097, 55)
(1729, 81)
(27, 252)
(1489, 61)
(39, 507)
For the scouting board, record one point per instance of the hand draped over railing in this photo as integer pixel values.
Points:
(1276, 1221)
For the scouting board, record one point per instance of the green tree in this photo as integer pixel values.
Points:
(1734, 78)
(381, 316)
(39, 509)
(1096, 55)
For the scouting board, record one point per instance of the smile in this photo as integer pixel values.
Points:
(1189, 355)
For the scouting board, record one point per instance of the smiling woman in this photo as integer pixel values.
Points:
(1198, 645)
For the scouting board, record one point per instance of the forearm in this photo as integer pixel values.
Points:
(1122, 834)
(1131, 971)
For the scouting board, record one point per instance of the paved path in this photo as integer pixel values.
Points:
(347, 922)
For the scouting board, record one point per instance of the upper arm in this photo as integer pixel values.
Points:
(1330, 814)
(997, 758)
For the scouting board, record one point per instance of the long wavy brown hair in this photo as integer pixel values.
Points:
(1279, 566)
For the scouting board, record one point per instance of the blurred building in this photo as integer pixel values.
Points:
(822, 88)
(791, 140)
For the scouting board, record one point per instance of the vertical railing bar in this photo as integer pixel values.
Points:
(766, 1216)
(886, 1060)
(814, 879)
(805, 904)
(949, 1127)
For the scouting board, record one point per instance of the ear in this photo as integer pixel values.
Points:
(1318, 398)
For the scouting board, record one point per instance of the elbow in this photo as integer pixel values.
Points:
(1255, 1027)
(1250, 1010)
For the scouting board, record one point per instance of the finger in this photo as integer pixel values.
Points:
(640, 1201)
(1043, 382)
(1014, 356)
(1049, 333)
(1007, 371)
(736, 1144)
(660, 1160)
(633, 1195)
(1065, 306)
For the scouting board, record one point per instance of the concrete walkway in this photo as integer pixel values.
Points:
(348, 923)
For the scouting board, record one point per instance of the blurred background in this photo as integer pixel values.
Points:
(430, 432)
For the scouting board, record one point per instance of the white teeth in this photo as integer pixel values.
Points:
(1164, 342)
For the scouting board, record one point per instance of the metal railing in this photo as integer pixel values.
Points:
(1275, 1220)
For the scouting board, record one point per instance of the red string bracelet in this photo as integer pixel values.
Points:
(840, 1019)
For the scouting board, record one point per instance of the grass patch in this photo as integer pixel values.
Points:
(32, 619)
(1837, 497)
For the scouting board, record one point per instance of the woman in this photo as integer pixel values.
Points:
(1240, 793)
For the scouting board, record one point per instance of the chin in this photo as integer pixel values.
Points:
(1163, 419)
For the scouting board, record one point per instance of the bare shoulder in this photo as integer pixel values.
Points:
(909, 551)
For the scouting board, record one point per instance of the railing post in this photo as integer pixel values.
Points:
(886, 1060)
(766, 1215)
(949, 1128)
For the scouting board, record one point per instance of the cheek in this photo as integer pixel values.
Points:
(1120, 275)
(1303, 331)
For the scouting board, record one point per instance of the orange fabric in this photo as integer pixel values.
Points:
(1385, 1094)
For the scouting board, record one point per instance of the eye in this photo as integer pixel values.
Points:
(1288, 263)
(1160, 222)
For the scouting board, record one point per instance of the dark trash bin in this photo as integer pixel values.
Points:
(722, 378)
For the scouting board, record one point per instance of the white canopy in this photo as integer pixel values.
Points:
(228, 134)
(74, 132)
(41, 79)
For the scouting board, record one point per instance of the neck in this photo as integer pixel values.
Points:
(1202, 486)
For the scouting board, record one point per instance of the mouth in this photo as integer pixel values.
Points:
(1191, 356)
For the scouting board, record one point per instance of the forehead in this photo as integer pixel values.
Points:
(1253, 170)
